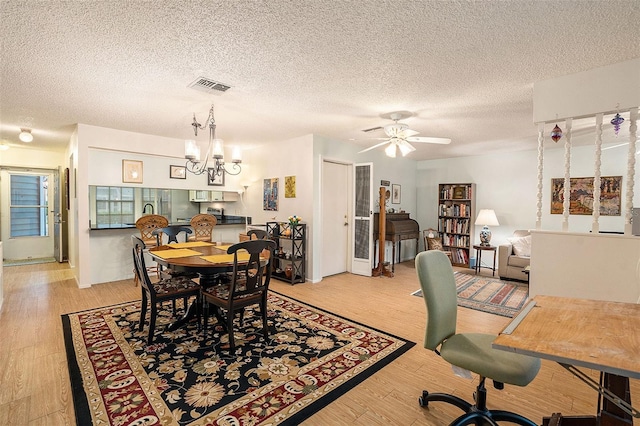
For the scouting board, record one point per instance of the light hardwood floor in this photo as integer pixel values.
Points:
(34, 379)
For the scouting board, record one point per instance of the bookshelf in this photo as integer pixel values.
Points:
(456, 210)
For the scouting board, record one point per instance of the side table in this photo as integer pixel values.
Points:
(479, 250)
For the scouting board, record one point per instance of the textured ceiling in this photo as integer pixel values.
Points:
(465, 68)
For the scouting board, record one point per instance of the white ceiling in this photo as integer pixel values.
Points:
(465, 68)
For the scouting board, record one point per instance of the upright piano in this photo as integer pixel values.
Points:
(398, 227)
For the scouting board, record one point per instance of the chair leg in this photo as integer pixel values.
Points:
(143, 311)
(152, 322)
(232, 345)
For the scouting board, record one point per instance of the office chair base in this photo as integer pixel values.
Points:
(474, 415)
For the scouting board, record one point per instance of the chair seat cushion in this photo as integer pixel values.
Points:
(175, 285)
(519, 261)
(473, 352)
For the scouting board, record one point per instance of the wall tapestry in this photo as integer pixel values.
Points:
(581, 195)
(270, 200)
(289, 187)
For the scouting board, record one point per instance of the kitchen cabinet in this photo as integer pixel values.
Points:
(199, 196)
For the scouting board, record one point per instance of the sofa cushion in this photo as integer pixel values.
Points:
(519, 261)
(521, 245)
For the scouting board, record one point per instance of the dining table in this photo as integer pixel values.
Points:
(207, 259)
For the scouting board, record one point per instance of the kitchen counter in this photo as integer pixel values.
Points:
(225, 220)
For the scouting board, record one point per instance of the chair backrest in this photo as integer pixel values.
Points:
(259, 234)
(432, 239)
(202, 225)
(139, 265)
(256, 276)
(149, 223)
(438, 284)
(172, 233)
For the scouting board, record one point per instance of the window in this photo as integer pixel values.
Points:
(29, 206)
(114, 206)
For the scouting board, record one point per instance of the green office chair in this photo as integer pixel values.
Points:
(470, 351)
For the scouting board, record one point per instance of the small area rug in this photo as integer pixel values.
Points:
(485, 294)
(311, 358)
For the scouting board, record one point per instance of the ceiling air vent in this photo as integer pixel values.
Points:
(373, 129)
(210, 86)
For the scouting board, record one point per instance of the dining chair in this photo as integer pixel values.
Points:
(172, 233)
(147, 224)
(248, 286)
(202, 225)
(433, 241)
(468, 351)
(258, 233)
(154, 294)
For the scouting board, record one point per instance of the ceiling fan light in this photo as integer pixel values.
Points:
(405, 148)
(391, 150)
(25, 135)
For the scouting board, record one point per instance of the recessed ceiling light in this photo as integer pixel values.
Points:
(25, 135)
(4, 147)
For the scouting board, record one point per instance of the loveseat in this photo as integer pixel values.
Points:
(514, 256)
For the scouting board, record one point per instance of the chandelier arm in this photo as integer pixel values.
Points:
(236, 169)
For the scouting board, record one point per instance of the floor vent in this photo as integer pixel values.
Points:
(210, 86)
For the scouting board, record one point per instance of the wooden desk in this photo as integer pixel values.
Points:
(584, 333)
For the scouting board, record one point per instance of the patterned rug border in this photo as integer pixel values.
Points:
(81, 403)
(494, 309)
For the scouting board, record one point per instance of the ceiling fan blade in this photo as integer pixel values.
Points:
(405, 147)
(408, 133)
(386, 141)
(441, 141)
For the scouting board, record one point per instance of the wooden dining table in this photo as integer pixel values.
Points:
(208, 260)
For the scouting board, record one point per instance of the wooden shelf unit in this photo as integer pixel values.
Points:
(291, 240)
(456, 214)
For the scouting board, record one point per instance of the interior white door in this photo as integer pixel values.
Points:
(27, 213)
(362, 230)
(335, 217)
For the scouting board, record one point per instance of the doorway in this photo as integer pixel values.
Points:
(27, 212)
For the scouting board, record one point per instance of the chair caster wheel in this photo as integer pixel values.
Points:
(423, 399)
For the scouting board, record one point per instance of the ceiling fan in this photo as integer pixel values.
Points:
(399, 136)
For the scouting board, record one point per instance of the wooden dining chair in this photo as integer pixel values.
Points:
(154, 294)
(202, 225)
(147, 224)
(249, 286)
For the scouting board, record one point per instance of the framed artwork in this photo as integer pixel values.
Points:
(214, 179)
(458, 193)
(581, 195)
(270, 194)
(131, 171)
(395, 194)
(289, 187)
(177, 172)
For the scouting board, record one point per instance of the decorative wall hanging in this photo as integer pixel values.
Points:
(177, 172)
(289, 187)
(395, 194)
(556, 133)
(617, 121)
(581, 195)
(215, 179)
(270, 197)
(131, 171)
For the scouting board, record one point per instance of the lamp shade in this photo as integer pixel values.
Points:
(487, 217)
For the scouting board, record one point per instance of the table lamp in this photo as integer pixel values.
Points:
(486, 218)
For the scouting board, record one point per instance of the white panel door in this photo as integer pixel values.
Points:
(361, 234)
(335, 217)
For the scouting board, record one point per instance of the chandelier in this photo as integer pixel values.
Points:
(215, 151)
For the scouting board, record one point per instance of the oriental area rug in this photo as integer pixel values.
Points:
(184, 378)
(485, 294)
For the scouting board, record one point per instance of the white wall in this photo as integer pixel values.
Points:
(507, 183)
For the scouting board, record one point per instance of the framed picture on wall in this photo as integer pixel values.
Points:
(177, 172)
(395, 194)
(131, 171)
(270, 194)
(215, 179)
